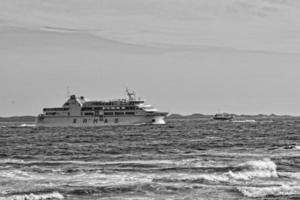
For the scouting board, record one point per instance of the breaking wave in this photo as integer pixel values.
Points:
(256, 192)
(46, 196)
(255, 169)
(243, 172)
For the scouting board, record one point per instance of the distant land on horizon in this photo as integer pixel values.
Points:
(28, 118)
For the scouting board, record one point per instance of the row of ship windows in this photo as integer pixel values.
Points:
(91, 108)
(95, 121)
(108, 103)
(111, 103)
(110, 113)
(55, 109)
(107, 108)
(92, 113)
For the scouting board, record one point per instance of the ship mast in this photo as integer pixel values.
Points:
(131, 95)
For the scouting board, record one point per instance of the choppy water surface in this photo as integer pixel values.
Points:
(185, 159)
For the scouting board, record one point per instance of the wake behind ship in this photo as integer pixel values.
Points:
(79, 112)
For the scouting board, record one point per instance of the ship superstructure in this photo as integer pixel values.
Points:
(223, 116)
(77, 111)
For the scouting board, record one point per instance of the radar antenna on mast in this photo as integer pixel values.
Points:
(131, 94)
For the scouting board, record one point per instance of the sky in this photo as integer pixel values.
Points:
(181, 56)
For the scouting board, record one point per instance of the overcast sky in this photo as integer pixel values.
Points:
(191, 56)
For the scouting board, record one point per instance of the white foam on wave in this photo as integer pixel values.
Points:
(198, 163)
(10, 160)
(27, 125)
(244, 121)
(102, 179)
(255, 169)
(245, 171)
(214, 177)
(20, 126)
(166, 163)
(46, 196)
(184, 177)
(256, 192)
(15, 174)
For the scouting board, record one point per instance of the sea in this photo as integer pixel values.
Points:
(185, 159)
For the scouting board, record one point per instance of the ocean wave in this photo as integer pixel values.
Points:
(15, 174)
(156, 188)
(136, 164)
(46, 196)
(27, 125)
(46, 162)
(255, 192)
(238, 174)
(193, 178)
(291, 147)
(244, 121)
(12, 161)
(290, 175)
(16, 126)
(255, 169)
(199, 163)
(245, 171)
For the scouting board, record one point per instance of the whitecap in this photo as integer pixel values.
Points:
(27, 125)
(15, 174)
(194, 178)
(54, 195)
(255, 169)
(244, 121)
(10, 160)
(246, 171)
(256, 192)
(198, 163)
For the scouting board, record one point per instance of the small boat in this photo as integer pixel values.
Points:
(223, 116)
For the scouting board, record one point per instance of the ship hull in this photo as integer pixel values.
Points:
(96, 121)
(223, 118)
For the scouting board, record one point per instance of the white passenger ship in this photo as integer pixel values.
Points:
(78, 112)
